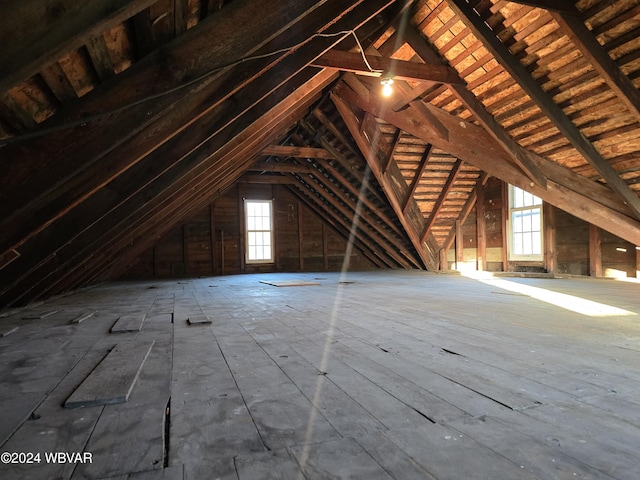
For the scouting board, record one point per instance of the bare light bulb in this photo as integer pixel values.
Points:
(387, 89)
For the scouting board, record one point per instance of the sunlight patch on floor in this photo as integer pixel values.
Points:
(562, 300)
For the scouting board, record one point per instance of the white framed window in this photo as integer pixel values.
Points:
(524, 226)
(259, 228)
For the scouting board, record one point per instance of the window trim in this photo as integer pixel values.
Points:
(260, 261)
(513, 257)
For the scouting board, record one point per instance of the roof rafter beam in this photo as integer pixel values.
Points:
(563, 6)
(575, 28)
(76, 158)
(390, 182)
(400, 69)
(33, 36)
(519, 155)
(348, 225)
(562, 122)
(306, 195)
(362, 219)
(442, 197)
(583, 198)
(416, 179)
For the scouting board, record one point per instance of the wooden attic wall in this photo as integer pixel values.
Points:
(211, 242)
(305, 242)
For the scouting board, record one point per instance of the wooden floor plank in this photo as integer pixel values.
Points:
(113, 378)
(139, 424)
(128, 323)
(395, 371)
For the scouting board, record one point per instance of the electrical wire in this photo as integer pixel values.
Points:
(88, 119)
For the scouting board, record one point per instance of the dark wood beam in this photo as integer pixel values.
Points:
(391, 182)
(566, 7)
(298, 152)
(566, 190)
(101, 234)
(342, 229)
(466, 210)
(444, 193)
(325, 203)
(520, 156)
(595, 251)
(392, 150)
(399, 69)
(591, 49)
(72, 158)
(561, 121)
(550, 238)
(364, 221)
(416, 178)
(35, 34)
(481, 228)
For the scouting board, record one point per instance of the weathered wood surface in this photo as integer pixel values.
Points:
(390, 376)
(128, 323)
(113, 378)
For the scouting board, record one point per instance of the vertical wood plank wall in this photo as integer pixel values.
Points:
(568, 248)
(211, 242)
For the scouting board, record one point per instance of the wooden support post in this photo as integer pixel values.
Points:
(444, 263)
(505, 227)
(595, 251)
(459, 246)
(550, 251)
(325, 247)
(212, 231)
(481, 229)
(637, 261)
(300, 238)
(185, 249)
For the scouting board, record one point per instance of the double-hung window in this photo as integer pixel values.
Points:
(259, 223)
(525, 225)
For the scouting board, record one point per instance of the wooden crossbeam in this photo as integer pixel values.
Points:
(400, 69)
(298, 152)
(561, 121)
(518, 155)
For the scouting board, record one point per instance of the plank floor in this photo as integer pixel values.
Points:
(376, 375)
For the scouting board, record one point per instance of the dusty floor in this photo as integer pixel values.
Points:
(373, 375)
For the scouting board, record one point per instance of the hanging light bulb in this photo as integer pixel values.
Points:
(386, 81)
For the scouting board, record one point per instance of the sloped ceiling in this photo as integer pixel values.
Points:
(120, 119)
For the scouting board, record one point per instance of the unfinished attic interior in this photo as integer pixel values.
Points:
(286, 239)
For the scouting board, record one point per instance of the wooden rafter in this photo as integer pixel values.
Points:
(401, 70)
(518, 155)
(33, 37)
(344, 221)
(73, 156)
(369, 225)
(566, 189)
(299, 189)
(566, 7)
(108, 228)
(444, 193)
(392, 150)
(390, 182)
(466, 210)
(416, 179)
(562, 122)
(599, 58)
